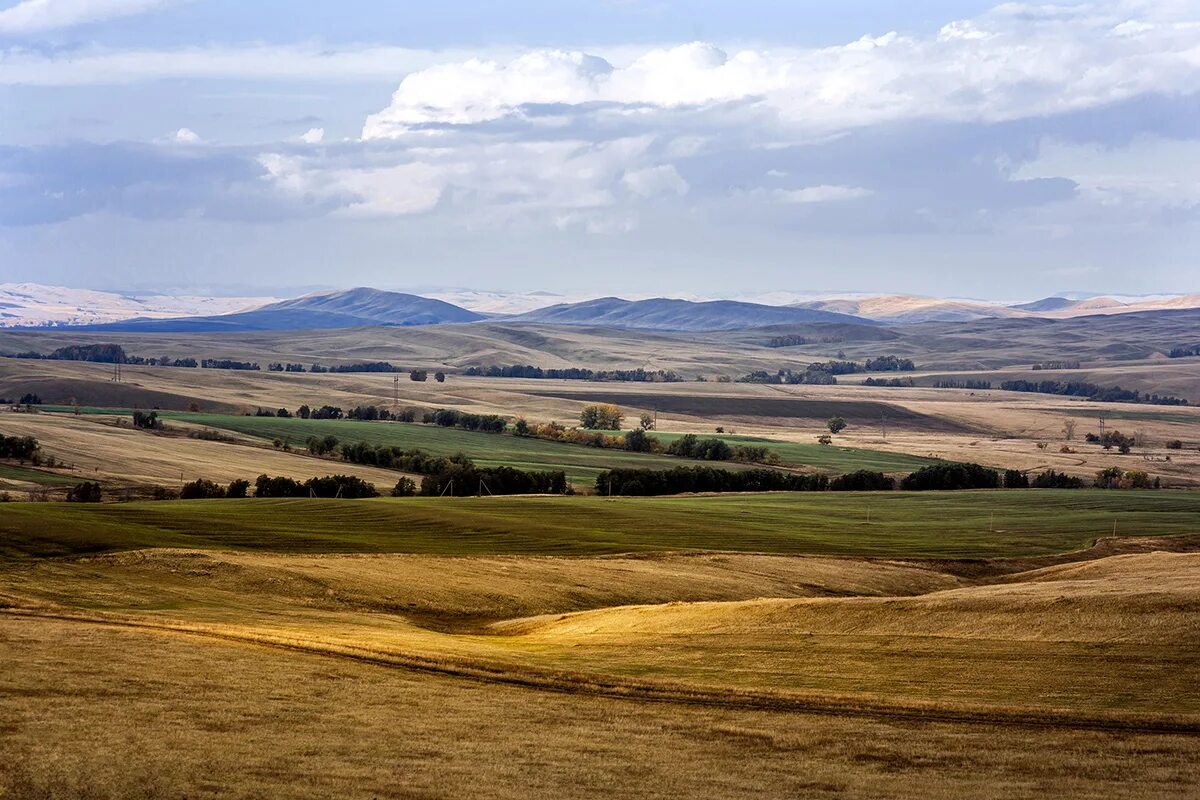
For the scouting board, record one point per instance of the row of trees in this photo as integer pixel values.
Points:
(936, 477)
(894, 383)
(962, 383)
(452, 418)
(20, 448)
(575, 374)
(1184, 352)
(1107, 394)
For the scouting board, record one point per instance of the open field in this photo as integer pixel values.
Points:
(900, 524)
(982, 644)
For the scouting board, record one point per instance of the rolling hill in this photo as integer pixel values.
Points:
(353, 308)
(667, 314)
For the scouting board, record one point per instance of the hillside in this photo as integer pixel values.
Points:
(34, 305)
(353, 308)
(680, 315)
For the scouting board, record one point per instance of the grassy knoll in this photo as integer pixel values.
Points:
(934, 524)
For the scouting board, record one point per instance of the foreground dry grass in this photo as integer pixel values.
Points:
(96, 712)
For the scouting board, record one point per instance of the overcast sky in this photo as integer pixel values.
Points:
(603, 147)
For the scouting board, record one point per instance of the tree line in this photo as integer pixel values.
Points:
(1109, 394)
(638, 375)
(935, 477)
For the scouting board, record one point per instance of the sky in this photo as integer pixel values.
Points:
(602, 147)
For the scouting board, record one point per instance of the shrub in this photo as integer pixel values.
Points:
(1175, 444)
(86, 492)
(405, 487)
(836, 425)
(862, 481)
(951, 476)
(201, 489)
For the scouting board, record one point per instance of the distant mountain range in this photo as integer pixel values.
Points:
(679, 315)
(353, 308)
(33, 305)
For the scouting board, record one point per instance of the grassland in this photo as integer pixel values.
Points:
(929, 524)
(13, 472)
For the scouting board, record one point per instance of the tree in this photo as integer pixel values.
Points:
(521, 427)
(647, 422)
(1069, 429)
(405, 487)
(440, 377)
(419, 375)
(147, 421)
(601, 416)
(303, 411)
(638, 441)
(237, 488)
(836, 425)
(86, 492)
(201, 489)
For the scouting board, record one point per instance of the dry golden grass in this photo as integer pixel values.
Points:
(102, 713)
(99, 449)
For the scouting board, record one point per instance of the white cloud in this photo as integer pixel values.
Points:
(313, 136)
(1015, 62)
(821, 194)
(186, 136)
(34, 16)
(652, 181)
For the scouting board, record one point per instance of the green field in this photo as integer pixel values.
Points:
(823, 457)
(918, 524)
(16, 473)
(582, 464)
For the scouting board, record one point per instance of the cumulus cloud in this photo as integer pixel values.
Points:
(186, 136)
(1013, 63)
(313, 136)
(35, 16)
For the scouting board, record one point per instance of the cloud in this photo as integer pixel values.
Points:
(36, 16)
(313, 136)
(821, 194)
(652, 181)
(1015, 62)
(186, 136)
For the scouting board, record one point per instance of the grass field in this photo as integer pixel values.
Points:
(929, 524)
(27, 475)
(582, 464)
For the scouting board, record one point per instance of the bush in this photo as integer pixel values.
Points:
(147, 421)
(1175, 444)
(462, 480)
(648, 482)
(22, 448)
(419, 375)
(405, 487)
(1015, 479)
(86, 492)
(237, 489)
(951, 477)
(1056, 480)
(201, 489)
(836, 425)
(862, 481)
(638, 441)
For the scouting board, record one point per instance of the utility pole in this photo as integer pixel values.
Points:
(395, 392)
(883, 422)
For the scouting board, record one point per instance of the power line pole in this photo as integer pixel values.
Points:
(395, 392)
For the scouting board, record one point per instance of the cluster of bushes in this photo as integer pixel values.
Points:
(951, 476)
(347, 487)
(86, 492)
(1110, 439)
(204, 490)
(1057, 365)
(889, 382)
(27, 399)
(22, 448)
(680, 480)
(464, 479)
(691, 446)
(889, 364)
(362, 366)
(278, 367)
(1184, 352)
(1110, 394)
(390, 457)
(452, 418)
(813, 374)
(1050, 479)
(575, 374)
(1116, 478)
(968, 383)
(147, 420)
(226, 363)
